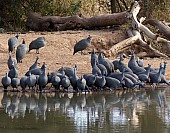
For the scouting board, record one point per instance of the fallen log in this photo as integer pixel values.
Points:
(163, 28)
(56, 23)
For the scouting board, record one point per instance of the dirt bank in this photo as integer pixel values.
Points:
(59, 49)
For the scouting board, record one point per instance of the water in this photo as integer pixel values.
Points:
(112, 112)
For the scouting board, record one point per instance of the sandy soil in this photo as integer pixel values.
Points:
(59, 49)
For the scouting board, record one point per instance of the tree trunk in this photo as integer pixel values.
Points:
(113, 6)
(55, 23)
(163, 28)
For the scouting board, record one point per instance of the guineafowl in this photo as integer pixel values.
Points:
(23, 82)
(43, 79)
(164, 68)
(6, 81)
(94, 58)
(81, 83)
(68, 70)
(37, 44)
(108, 64)
(36, 71)
(65, 83)
(12, 43)
(117, 75)
(11, 61)
(100, 81)
(21, 51)
(82, 44)
(96, 70)
(144, 76)
(156, 77)
(31, 81)
(13, 73)
(112, 83)
(102, 68)
(56, 82)
(90, 80)
(35, 65)
(139, 62)
(128, 83)
(120, 65)
(74, 79)
(132, 64)
(15, 82)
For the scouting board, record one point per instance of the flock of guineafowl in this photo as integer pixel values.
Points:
(104, 74)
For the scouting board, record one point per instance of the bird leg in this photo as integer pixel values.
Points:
(37, 51)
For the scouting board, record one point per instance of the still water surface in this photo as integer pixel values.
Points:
(112, 112)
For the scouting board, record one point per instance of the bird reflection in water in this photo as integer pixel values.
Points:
(117, 105)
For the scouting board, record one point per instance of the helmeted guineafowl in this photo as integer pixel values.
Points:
(35, 65)
(65, 83)
(43, 79)
(112, 83)
(81, 84)
(21, 51)
(107, 63)
(12, 43)
(23, 82)
(68, 70)
(6, 81)
(139, 62)
(11, 61)
(118, 64)
(90, 80)
(56, 82)
(132, 64)
(13, 73)
(164, 68)
(31, 81)
(156, 77)
(15, 82)
(36, 71)
(94, 58)
(102, 68)
(37, 44)
(100, 81)
(82, 44)
(74, 79)
(96, 70)
(144, 76)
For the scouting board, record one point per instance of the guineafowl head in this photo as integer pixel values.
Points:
(29, 73)
(121, 58)
(23, 41)
(75, 70)
(92, 52)
(89, 37)
(44, 65)
(132, 52)
(76, 66)
(17, 35)
(165, 64)
(37, 58)
(116, 64)
(6, 74)
(149, 67)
